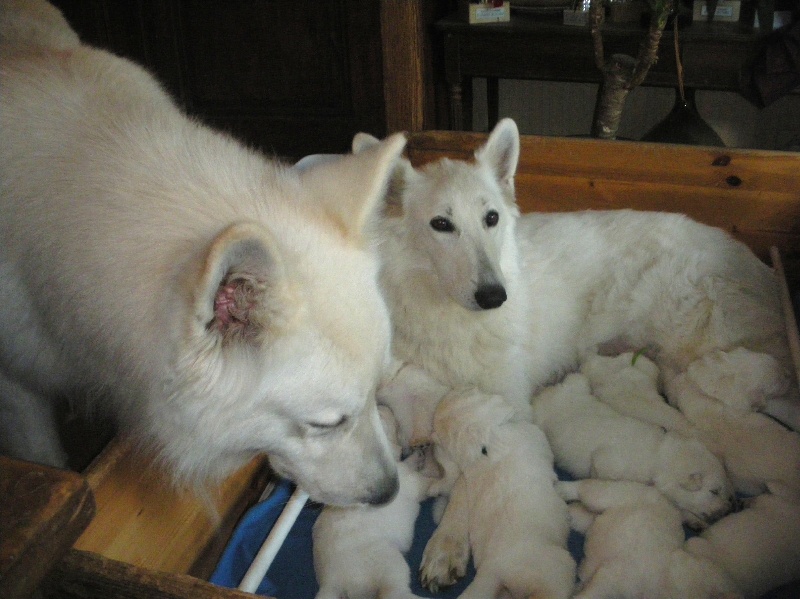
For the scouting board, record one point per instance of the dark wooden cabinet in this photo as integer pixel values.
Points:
(289, 76)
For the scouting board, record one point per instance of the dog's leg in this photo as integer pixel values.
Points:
(447, 553)
(600, 495)
(28, 428)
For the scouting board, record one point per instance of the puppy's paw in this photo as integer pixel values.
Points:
(444, 561)
(568, 489)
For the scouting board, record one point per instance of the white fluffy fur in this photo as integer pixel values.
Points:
(503, 507)
(759, 453)
(589, 438)
(359, 551)
(218, 303)
(634, 545)
(573, 281)
(759, 547)
(629, 383)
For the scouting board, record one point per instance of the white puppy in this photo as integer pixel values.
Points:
(503, 506)
(359, 551)
(715, 394)
(629, 383)
(591, 439)
(634, 545)
(758, 547)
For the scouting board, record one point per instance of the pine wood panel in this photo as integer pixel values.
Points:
(144, 521)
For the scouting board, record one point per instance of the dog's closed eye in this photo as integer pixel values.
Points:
(327, 426)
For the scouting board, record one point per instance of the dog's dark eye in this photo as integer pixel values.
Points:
(491, 219)
(440, 223)
(484, 450)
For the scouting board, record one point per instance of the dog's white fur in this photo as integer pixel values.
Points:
(634, 545)
(759, 453)
(629, 383)
(572, 280)
(359, 551)
(503, 507)
(758, 547)
(219, 303)
(590, 439)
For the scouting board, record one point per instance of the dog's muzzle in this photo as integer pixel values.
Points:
(489, 297)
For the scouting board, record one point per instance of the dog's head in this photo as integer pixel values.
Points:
(465, 425)
(285, 338)
(460, 217)
(694, 480)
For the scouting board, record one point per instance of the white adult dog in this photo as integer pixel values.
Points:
(503, 507)
(218, 303)
(634, 545)
(481, 297)
(759, 454)
(590, 439)
(359, 550)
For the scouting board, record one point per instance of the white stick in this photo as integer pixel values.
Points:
(258, 569)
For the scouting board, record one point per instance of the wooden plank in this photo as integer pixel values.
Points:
(42, 511)
(85, 575)
(142, 519)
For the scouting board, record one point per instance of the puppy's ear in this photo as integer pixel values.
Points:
(501, 152)
(693, 483)
(351, 188)
(242, 292)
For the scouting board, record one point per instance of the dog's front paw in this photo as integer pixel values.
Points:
(444, 561)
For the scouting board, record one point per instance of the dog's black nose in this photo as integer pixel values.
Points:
(490, 296)
(386, 493)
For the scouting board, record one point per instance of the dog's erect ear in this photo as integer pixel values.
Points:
(362, 141)
(401, 174)
(352, 188)
(242, 292)
(501, 152)
(694, 483)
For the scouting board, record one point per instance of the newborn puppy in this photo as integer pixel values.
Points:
(717, 397)
(359, 551)
(591, 439)
(758, 547)
(503, 507)
(629, 384)
(635, 545)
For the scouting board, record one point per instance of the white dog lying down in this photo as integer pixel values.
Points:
(634, 545)
(483, 297)
(759, 547)
(359, 551)
(629, 383)
(217, 303)
(759, 453)
(589, 438)
(502, 507)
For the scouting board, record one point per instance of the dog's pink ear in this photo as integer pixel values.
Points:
(242, 291)
(501, 152)
(353, 187)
